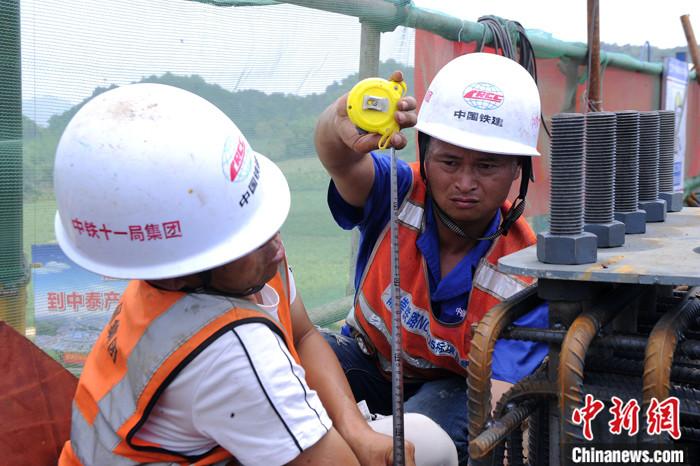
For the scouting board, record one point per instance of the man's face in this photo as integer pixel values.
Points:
(251, 270)
(468, 185)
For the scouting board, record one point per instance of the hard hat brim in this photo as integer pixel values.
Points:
(267, 221)
(478, 142)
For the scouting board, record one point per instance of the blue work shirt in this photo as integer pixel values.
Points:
(512, 360)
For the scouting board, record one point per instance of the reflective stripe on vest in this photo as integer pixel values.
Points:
(94, 442)
(411, 215)
(163, 337)
(498, 284)
(100, 436)
(376, 321)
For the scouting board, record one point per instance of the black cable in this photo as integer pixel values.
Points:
(510, 38)
(518, 48)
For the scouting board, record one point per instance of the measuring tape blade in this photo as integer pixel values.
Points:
(396, 350)
(371, 107)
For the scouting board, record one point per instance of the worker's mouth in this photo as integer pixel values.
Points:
(464, 202)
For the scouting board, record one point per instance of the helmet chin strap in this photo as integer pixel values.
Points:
(239, 294)
(515, 211)
(206, 288)
(449, 223)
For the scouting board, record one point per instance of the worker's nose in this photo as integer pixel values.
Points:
(465, 179)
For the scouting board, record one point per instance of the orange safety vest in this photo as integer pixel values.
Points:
(429, 346)
(150, 338)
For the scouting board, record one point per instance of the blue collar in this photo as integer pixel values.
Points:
(459, 280)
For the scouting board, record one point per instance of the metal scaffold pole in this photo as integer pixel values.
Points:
(369, 66)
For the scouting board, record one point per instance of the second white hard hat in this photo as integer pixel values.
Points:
(153, 182)
(484, 102)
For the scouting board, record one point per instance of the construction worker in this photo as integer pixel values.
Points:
(210, 357)
(477, 129)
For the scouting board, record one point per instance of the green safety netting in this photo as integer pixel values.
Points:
(271, 66)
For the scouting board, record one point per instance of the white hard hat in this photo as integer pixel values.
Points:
(155, 182)
(484, 102)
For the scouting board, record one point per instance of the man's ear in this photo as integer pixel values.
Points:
(518, 168)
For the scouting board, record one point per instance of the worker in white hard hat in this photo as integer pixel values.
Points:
(210, 357)
(477, 130)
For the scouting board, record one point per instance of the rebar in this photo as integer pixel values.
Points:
(627, 161)
(635, 368)
(690, 433)
(600, 167)
(648, 156)
(688, 398)
(515, 448)
(538, 437)
(662, 345)
(573, 354)
(533, 386)
(500, 429)
(689, 348)
(566, 159)
(483, 342)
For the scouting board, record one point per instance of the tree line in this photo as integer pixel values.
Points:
(278, 125)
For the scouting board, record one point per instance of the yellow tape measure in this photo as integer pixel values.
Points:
(372, 104)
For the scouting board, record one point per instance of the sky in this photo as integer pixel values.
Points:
(621, 21)
(69, 47)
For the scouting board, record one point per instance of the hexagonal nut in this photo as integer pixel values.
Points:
(674, 201)
(656, 210)
(567, 249)
(635, 222)
(610, 235)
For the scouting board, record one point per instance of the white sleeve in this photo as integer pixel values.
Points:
(292, 286)
(254, 401)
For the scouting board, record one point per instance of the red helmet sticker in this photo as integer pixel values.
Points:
(233, 157)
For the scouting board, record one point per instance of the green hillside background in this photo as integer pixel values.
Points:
(281, 127)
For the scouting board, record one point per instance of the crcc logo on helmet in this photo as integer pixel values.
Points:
(484, 96)
(234, 160)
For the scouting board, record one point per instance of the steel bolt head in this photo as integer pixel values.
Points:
(635, 222)
(610, 235)
(674, 200)
(656, 210)
(567, 249)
